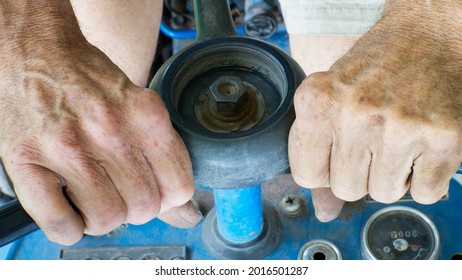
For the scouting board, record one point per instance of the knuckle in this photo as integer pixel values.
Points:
(444, 142)
(384, 198)
(315, 95)
(106, 220)
(347, 193)
(143, 211)
(305, 180)
(179, 195)
(428, 193)
(425, 199)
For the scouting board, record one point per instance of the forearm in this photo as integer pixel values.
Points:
(435, 21)
(125, 30)
(37, 25)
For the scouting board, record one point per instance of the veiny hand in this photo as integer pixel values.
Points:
(387, 117)
(86, 150)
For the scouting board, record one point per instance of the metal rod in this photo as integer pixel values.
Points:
(239, 213)
(213, 19)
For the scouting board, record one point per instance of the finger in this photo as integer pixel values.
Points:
(121, 156)
(389, 177)
(326, 205)
(40, 193)
(435, 166)
(132, 176)
(165, 151)
(91, 190)
(184, 216)
(350, 158)
(310, 138)
(88, 185)
(430, 178)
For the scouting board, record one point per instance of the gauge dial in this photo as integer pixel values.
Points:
(400, 233)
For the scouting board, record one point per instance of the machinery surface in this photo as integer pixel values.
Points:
(159, 240)
(253, 218)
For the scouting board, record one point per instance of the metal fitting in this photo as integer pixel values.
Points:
(226, 92)
(291, 205)
(319, 250)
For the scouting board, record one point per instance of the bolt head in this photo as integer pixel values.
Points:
(226, 92)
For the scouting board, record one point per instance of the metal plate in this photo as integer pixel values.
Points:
(125, 253)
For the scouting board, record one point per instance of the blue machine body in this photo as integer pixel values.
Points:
(344, 232)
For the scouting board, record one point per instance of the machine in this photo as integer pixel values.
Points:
(230, 98)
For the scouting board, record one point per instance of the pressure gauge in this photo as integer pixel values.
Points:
(400, 233)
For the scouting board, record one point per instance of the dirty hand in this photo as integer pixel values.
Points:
(86, 150)
(387, 116)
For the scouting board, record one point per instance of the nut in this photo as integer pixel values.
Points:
(226, 92)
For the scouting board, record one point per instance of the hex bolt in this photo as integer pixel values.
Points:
(226, 92)
(291, 205)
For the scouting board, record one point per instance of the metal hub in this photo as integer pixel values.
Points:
(229, 104)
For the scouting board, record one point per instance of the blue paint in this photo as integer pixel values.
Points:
(239, 213)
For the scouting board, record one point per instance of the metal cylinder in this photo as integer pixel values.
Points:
(239, 213)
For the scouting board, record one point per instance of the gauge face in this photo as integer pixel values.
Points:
(400, 233)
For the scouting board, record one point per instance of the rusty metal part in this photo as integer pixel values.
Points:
(229, 104)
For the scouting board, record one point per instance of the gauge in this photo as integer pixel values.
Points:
(400, 233)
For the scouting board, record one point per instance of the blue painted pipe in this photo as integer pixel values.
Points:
(239, 213)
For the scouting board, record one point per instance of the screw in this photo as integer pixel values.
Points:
(291, 205)
(226, 92)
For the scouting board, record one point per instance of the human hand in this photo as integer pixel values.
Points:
(387, 116)
(85, 149)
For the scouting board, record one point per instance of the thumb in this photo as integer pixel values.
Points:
(184, 216)
(326, 205)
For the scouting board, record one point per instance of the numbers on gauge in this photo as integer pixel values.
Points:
(403, 233)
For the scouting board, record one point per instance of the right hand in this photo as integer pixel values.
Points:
(386, 118)
(87, 150)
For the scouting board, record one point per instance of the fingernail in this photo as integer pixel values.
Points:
(193, 215)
